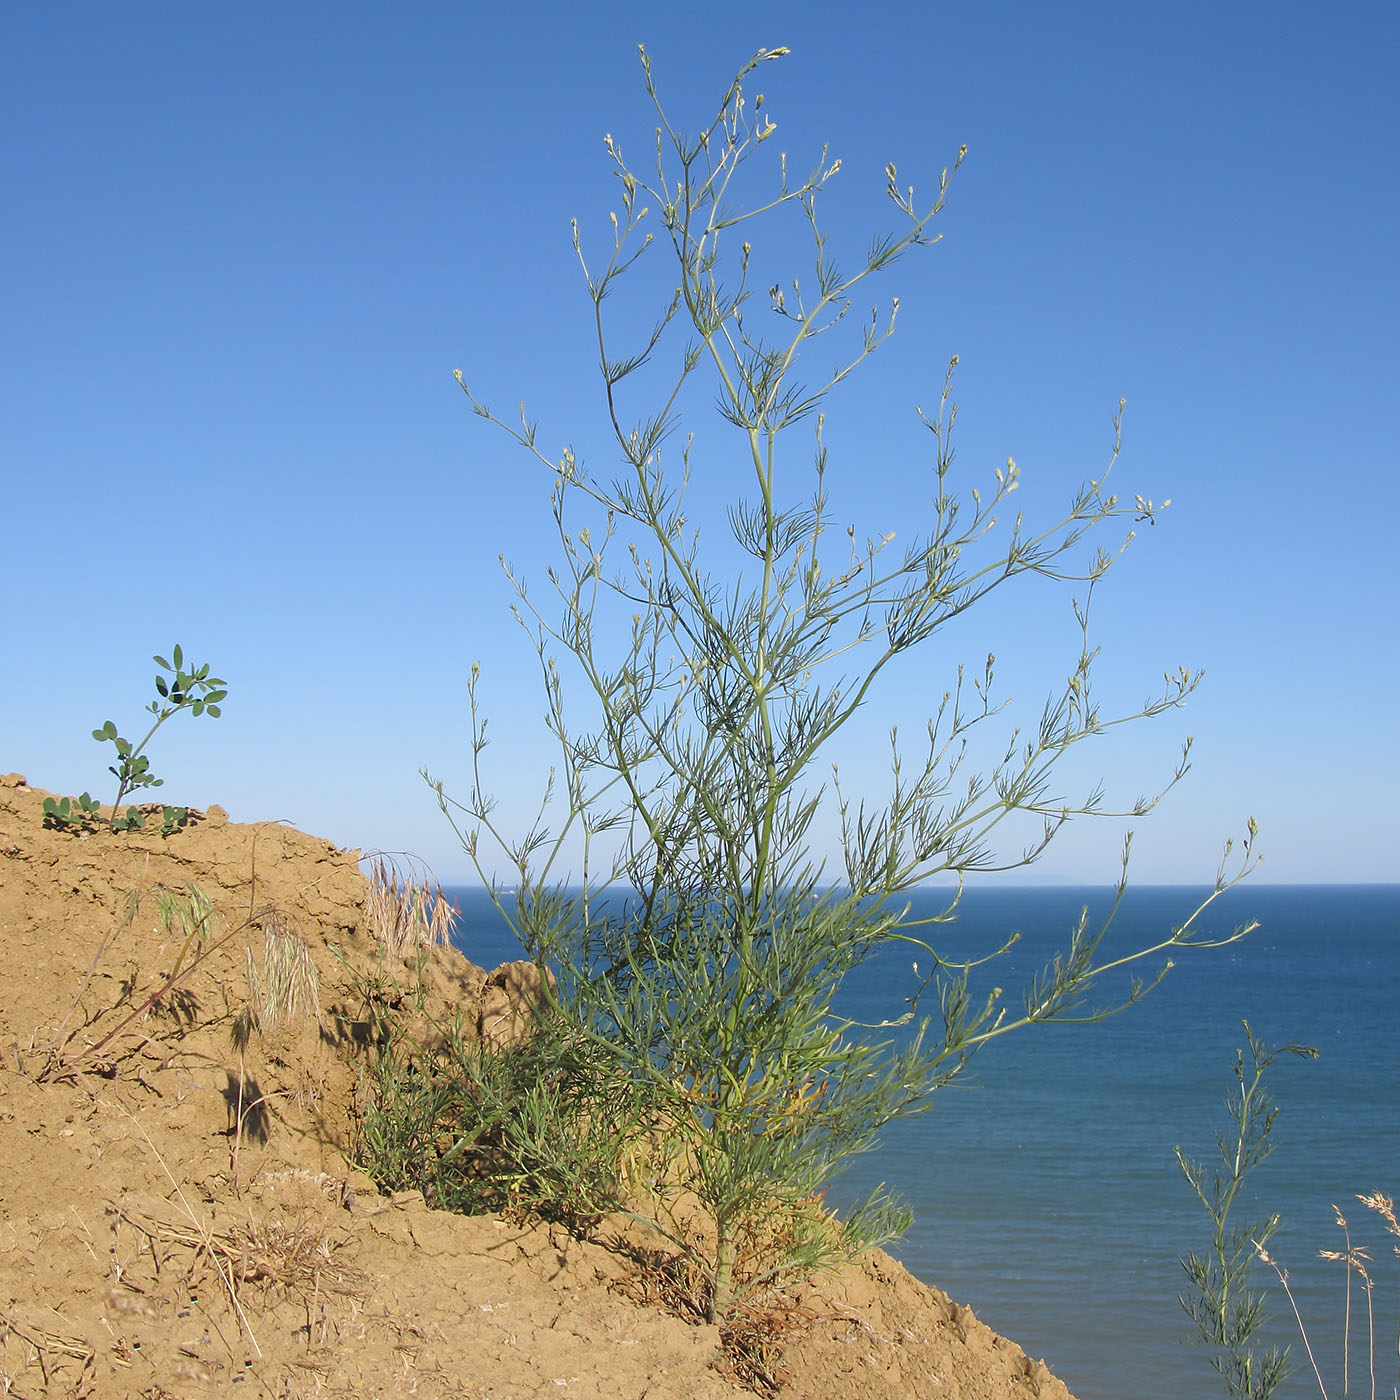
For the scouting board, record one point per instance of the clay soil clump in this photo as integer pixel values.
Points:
(180, 1210)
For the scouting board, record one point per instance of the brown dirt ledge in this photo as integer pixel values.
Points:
(146, 1251)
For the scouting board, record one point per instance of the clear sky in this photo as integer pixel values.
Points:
(245, 247)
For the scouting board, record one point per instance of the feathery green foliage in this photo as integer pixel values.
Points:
(699, 939)
(1226, 1311)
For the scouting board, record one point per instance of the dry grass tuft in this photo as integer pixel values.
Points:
(756, 1337)
(288, 1260)
(286, 988)
(1354, 1258)
(407, 910)
(753, 1339)
(662, 1278)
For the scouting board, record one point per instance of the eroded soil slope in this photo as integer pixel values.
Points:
(179, 1216)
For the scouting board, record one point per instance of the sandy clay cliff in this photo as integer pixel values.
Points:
(182, 1218)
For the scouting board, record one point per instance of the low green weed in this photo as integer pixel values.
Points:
(532, 1127)
(77, 814)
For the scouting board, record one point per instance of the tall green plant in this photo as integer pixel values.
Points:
(713, 689)
(1226, 1312)
(193, 690)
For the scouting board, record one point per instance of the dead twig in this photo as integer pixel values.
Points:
(206, 1240)
(58, 1069)
(45, 1343)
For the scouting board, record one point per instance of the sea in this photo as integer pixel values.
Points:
(1043, 1180)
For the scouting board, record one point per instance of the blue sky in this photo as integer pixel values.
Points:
(245, 248)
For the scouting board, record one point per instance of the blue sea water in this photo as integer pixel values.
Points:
(1044, 1184)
